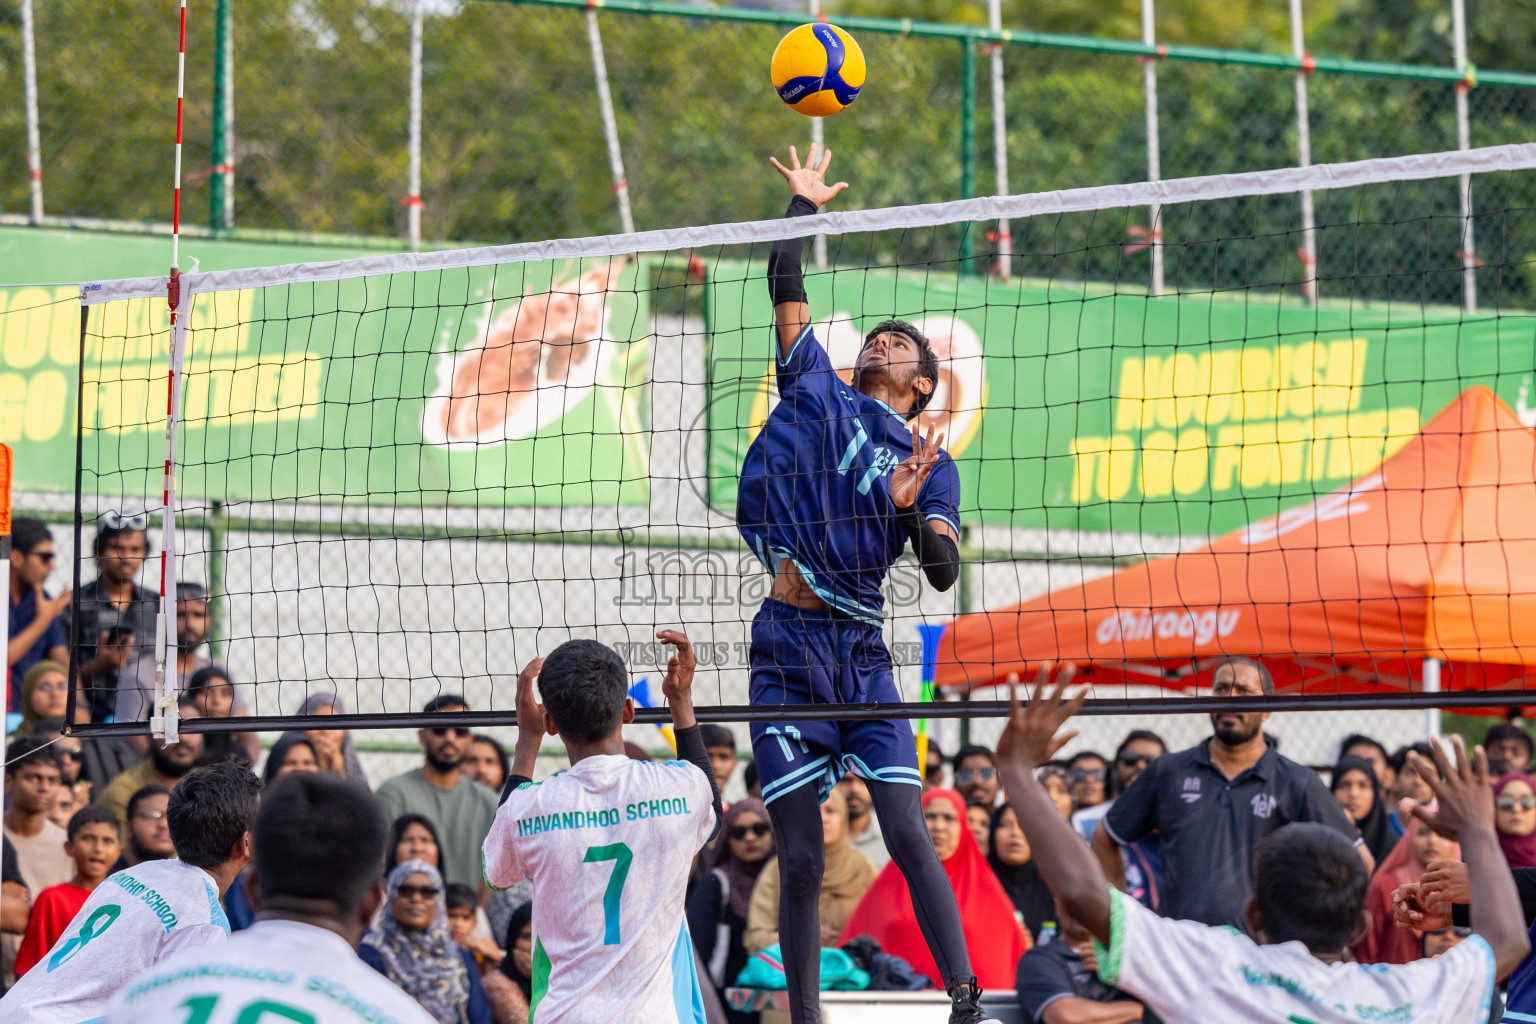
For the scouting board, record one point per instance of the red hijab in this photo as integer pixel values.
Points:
(992, 934)
(1520, 851)
(1384, 941)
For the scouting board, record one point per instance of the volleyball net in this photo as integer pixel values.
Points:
(398, 477)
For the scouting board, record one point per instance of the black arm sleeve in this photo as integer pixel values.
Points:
(510, 786)
(690, 748)
(936, 553)
(785, 282)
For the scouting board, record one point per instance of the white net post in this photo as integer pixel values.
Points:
(164, 720)
(1154, 162)
(1464, 141)
(610, 124)
(29, 85)
(413, 200)
(1431, 680)
(1304, 156)
(819, 243)
(1000, 138)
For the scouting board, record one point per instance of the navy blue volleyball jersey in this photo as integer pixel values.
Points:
(816, 486)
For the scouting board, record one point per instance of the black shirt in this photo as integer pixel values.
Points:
(1050, 971)
(1209, 826)
(98, 614)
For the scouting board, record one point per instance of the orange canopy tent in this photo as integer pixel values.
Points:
(1432, 554)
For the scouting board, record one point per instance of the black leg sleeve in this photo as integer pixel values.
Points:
(900, 809)
(798, 838)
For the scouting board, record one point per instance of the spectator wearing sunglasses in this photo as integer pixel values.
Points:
(37, 623)
(1514, 818)
(410, 944)
(116, 624)
(1088, 775)
(461, 808)
(976, 775)
(1139, 749)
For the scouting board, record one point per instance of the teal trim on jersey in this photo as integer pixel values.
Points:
(1521, 1018)
(872, 616)
(686, 996)
(216, 913)
(797, 778)
(1490, 966)
(541, 969)
(784, 359)
(895, 773)
(945, 519)
(899, 417)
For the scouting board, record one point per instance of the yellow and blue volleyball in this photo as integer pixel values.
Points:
(818, 69)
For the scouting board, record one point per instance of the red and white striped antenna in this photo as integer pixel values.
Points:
(163, 717)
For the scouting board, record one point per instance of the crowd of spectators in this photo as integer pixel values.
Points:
(1176, 830)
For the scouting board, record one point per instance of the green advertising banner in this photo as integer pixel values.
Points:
(514, 385)
(1070, 406)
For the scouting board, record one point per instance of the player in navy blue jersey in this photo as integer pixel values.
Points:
(833, 489)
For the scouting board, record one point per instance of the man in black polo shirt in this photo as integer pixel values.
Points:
(1211, 804)
(117, 616)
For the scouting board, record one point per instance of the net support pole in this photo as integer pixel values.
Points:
(1000, 138)
(5, 578)
(610, 123)
(1304, 156)
(1468, 251)
(967, 136)
(1431, 682)
(29, 87)
(413, 198)
(1154, 159)
(221, 200)
(818, 141)
(164, 719)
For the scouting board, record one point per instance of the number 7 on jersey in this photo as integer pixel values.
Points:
(621, 855)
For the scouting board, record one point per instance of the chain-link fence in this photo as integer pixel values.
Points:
(313, 133)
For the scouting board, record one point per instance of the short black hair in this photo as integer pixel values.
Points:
(1140, 736)
(1083, 755)
(974, 750)
(459, 896)
(27, 533)
(190, 591)
(584, 685)
(29, 749)
(1509, 731)
(927, 358)
(444, 701)
(140, 795)
(209, 810)
(1399, 758)
(717, 736)
(110, 533)
(318, 836)
(1310, 886)
(1266, 681)
(749, 776)
(90, 814)
(1360, 739)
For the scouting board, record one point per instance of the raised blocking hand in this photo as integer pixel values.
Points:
(1033, 734)
(809, 181)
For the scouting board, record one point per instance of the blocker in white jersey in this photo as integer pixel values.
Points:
(295, 973)
(136, 918)
(608, 845)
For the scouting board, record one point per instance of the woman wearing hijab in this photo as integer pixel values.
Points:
(1384, 942)
(291, 753)
(410, 945)
(44, 694)
(1013, 863)
(848, 873)
(333, 747)
(995, 939)
(1514, 818)
(720, 902)
(1358, 792)
(518, 963)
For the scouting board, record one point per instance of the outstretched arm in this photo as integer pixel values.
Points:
(786, 286)
(1030, 740)
(677, 688)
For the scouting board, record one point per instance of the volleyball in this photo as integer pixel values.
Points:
(818, 69)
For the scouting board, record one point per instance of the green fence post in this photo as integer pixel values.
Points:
(221, 201)
(967, 135)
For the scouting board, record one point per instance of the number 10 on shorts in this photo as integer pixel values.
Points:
(621, 857)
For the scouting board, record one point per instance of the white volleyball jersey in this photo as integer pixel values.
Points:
(135, 918)
(608, 845)
(296, 972)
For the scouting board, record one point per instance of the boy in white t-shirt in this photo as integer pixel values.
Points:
(608, 843)
(143, 914)
(1308, 907)
(319, 852)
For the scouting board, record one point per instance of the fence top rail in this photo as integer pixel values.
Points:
(1050, 40)
(1278, 181)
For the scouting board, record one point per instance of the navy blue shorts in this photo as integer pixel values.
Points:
(804, 657)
